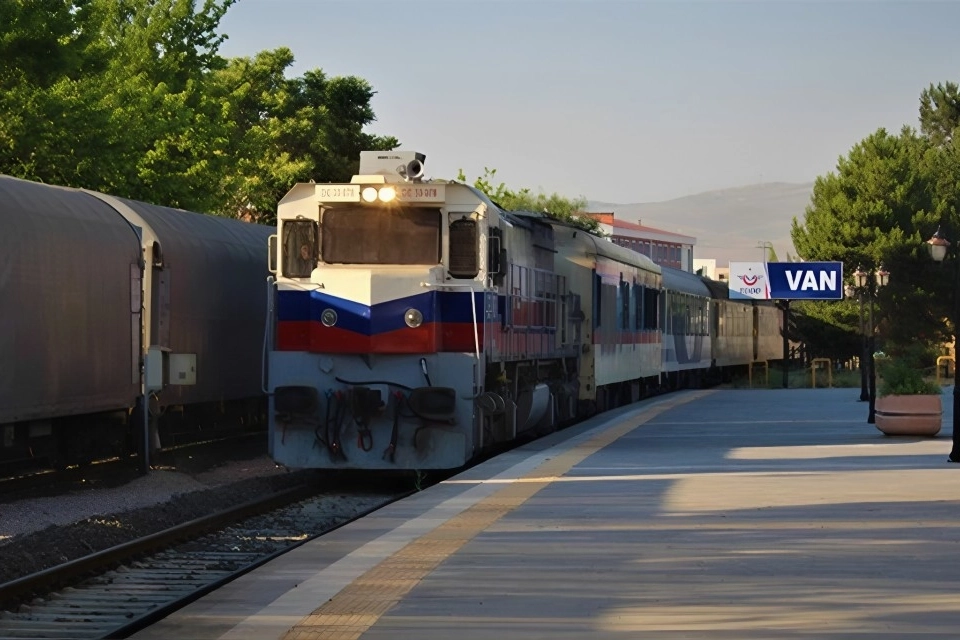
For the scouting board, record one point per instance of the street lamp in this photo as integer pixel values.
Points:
(938, 245)
(871, 285)
(860, 278)
(763, 246)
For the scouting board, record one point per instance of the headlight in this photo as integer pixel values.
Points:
(387, 194)
(369, 194)
(328, 317)
(413, 318)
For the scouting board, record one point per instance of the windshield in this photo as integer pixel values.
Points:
(369, 235)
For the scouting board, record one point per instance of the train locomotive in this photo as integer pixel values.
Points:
(106, 301)
(415, 324)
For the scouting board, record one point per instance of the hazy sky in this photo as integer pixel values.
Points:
(621, 101)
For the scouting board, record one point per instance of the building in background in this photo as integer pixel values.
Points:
(663, 247)
(711, 270)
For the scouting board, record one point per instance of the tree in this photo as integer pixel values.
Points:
(42, 41)
(878, 208)
(48, 47)
(570, 210)
(940, 113)
(828, 329)
(341, 108)
(132, 98)
(120, 105)
(288, 130)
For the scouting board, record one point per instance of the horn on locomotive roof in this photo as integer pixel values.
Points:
(394, 166)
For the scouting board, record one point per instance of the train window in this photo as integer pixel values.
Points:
(624, 305)
(368, 235)
(497, 257)
(464, 249)
(637, 307)
(650, 300)
(299, 248)
(597, 291)
(619, 305)
(627, 306)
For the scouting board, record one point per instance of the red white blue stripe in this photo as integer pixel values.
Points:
(379, 328)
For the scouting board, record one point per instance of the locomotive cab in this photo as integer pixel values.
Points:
(380, 306)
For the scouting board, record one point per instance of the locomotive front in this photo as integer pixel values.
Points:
(375, 349)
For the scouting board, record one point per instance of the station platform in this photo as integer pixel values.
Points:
(701, 514)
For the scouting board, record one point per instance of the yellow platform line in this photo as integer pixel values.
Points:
(359, 605)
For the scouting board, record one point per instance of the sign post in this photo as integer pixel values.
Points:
(786, 281)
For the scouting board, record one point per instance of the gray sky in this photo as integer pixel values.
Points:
(621, 101)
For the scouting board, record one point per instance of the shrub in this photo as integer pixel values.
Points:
(903, 378)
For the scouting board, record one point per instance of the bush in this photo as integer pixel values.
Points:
(903, 378)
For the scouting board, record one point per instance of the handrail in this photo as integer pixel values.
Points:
(813, 371)
(944, 359)
(766, 367)
(473, 309)
(268, 329)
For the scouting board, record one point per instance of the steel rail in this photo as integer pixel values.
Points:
(159, 613)
(54, 577)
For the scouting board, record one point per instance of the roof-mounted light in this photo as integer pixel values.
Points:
(383, 194)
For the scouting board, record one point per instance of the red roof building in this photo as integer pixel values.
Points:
(663, 247)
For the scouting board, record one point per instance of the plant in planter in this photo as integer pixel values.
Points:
(908, 404)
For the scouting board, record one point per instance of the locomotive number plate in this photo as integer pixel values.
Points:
(421, 193)
(338, 192)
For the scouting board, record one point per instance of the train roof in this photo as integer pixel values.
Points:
(718, 288)
(677, 280)
(592, 243)
(621, 254)
(207, 236)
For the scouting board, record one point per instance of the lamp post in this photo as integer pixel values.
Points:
(763, 246)
(938, 246)
(864, 357)
(871, 286)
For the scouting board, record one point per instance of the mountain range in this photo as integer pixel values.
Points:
(729, 224)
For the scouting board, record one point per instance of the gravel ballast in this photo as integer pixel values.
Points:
(42, 532)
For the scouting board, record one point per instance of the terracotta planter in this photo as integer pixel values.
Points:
(909, 415)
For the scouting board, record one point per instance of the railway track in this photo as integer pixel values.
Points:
(48, 481)
(118, 591)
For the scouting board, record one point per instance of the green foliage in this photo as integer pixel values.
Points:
(940, 113)
(873, 207)
(132, 98)
(288, 130)
(829, 329)
(917, 355)
(41, 41)
(899, 377)
(884, 200)
(569, 210)
(886, 197)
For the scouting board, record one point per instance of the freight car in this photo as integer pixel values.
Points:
(416, 324)
(106, 299)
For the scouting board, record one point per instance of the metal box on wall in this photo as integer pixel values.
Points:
(183, 368)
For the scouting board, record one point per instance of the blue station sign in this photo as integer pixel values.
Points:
(786, 280)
